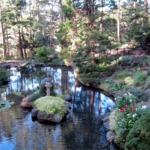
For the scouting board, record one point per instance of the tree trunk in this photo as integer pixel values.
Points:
(146, 11)
(92, 52)
(25, 52)
(20, 45)
(4, 41)
(118, 22)
(134, 4)
(7, 49)
(145, 6)
(101, 15)
(61, 15)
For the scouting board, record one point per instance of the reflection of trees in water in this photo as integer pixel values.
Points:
(64, 80)
(29, 79)
(5, 124)
(30, 75)
(84, 133)
(16, 124)
(87, 130)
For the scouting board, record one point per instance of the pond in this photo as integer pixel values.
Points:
(82, 130)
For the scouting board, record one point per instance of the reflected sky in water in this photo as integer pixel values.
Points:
(83, 128)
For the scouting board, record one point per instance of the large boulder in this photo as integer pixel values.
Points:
(26, 103)
(50, 108)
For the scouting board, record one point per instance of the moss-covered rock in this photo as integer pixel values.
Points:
(50, 108)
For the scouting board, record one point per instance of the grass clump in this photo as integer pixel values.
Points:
(51, 105)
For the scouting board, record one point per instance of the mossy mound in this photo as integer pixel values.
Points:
(50, 105)
(50, 108)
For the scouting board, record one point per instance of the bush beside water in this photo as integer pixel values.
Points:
(138, 137)
(130, 124)
(4, 74)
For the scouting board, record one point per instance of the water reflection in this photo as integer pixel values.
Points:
(83, 128)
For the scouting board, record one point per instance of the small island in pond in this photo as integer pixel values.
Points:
(50, 108)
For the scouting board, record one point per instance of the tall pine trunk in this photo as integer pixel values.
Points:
(4, 40)
(20, 45)
(101, 15)
(118, 22)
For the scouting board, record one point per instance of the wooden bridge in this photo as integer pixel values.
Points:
(14, 63)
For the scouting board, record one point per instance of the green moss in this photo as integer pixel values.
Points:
(51, 105)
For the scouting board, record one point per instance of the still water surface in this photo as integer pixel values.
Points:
(83, 129)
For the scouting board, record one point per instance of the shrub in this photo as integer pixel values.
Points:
(43, 53)
(67, 11)
(139, 136)
(4, 74)
(148, 71)
(125, 61)
(147, 84)
(121, 121)
(134, 61)
(139, 77)
(125, 121)
(116, 86)
(122, 74)
(89, 74)
(113, 119)
(139, 94)
(126, 99)
(123, 118)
